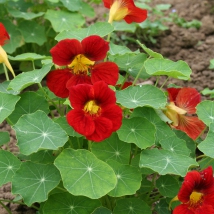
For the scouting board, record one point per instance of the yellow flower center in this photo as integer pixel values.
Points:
(196, 198)
(81, 64)
(172, 112)
(118, 11)
(91, 107)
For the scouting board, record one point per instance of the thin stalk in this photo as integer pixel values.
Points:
(5, 207)
(125, 78)
(40, 86)
(108, 40)
(164, 82)
(200, 156)
(33, 65)
(60, 188)
(6, 73)
(108, 202)
(89, 145)
(157, 80)
(136, 78)
(70, 142)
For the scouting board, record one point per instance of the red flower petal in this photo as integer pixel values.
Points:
(81, 123)
(114, 113)
(65, 50)
(103, 94)
(78, 79)
(103, 129)
(136, 15)
(56, 82)
(173, 93)
(182, 209)
(192, 126)
(106, 71)
(95, 48)
(108, 3)
(188, 99)
(80, 94)
(4, 36)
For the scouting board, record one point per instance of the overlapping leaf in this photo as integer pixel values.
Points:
(4, 138)
(138, 131)
(145, 95)
(166, 162)
(112, 149)
(62, 203)
(8, 166)
(7, 105)
(83, 174)
(33, 181)
(37, 131)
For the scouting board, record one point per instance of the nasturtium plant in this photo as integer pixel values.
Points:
(94, 132)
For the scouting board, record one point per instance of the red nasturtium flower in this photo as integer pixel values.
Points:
(95, 113)
(4, 37)
(124, 9)
(196, 193)
(181, 107)
(81, 66)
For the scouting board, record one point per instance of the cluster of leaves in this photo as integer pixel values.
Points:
(140, 165)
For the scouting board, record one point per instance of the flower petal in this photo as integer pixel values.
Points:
(80, 94)
(188, 99)
(103, 129)
(136, 15)
(192, 126)
(108, 3)
(94, 47)
(114, 113)
(64, 51)
(80, 122)
(103, 94)
(78, 79)
(56, 82)
(182, 209)
(4, 36)
(173, 93)
(106, 71)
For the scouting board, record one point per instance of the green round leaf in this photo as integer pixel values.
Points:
(62, 203)
(128, 179)
(102, 210)
(29, 103)
(205, 111)
(99, 28)
(4, 138)
(138, 131)
(162, 207)
(37, 131)
(33, 181)
(178, 70)
(27, 57)
(24, 80)
(166, 162)
(8, 165)
(207, 146)
(168, 186)
(63, 20)
(7, 105)
(131, 206)
(84, 174)
(112, 149)
(145, 95)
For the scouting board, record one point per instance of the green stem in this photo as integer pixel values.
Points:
(125, 78)
(164, 82)
(89, 145)
(200, 156)
(33, 65)
(6, 73)
(40, 86)
(60, 188)
(136, 78)
(5, 207)
(108, 202)
(70, 142)
(158, 77)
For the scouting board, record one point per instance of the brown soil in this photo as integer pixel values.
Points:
(196, 47)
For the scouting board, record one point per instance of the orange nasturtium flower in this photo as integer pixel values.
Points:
(95, 113)
(124, 9)
(181, 110)
(196, 193)
(4, 37)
